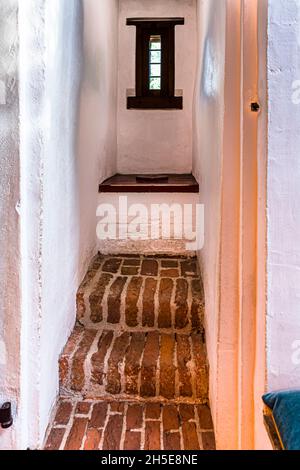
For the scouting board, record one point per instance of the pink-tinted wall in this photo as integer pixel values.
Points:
(232, 187)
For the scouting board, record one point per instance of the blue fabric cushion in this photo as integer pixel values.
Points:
(285, 407)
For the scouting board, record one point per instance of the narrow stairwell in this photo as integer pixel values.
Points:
(134, 373)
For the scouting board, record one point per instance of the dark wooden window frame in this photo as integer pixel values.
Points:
(155, 99)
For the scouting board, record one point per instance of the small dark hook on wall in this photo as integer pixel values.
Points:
(6, 419)
(255, 107)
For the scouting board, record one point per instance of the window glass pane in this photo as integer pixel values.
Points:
(155, 42)
(155, 62)
(155, 70)
(155, 57)
(155, 83)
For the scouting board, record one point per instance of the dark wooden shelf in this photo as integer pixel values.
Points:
(150, 184)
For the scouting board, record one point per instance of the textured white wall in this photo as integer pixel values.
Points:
(63, 263)
(97, 138)
(54, 248)
(52, 265)
(283, 322)
(9, 219)
(154, 141)
(68, 144)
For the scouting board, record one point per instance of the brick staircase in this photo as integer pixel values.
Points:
(135, 363)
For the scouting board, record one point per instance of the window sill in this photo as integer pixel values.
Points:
(154, 102)
(150, 184)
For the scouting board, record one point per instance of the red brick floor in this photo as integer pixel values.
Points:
(142, 293)
(135, 363)
(93, 425)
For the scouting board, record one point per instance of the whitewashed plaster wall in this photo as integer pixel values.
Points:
(52, 265)
(9, 219)
(156, 141)
(68, 144)
(208, 161)
(63, 260)
(97, 141)
(283, 320)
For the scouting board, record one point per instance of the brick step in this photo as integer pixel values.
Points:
(134, 372)
(154, 364)
(142, 293)
(111, 425)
